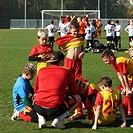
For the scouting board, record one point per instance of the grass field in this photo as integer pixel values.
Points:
(14, 49)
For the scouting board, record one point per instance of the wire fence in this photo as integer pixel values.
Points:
(37, 23)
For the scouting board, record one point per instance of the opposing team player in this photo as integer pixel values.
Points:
(51, 29)
(109, 28)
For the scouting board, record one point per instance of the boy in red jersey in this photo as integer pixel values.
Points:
(88, 93)
(106, 104)
(124, 69)
(55, 92)
(41, 52)
(73, 43)
(82, 27)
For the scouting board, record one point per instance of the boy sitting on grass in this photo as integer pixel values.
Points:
(106, 104)
(88, 92)
(22, 103)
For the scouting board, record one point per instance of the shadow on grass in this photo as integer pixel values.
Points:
(116, 123)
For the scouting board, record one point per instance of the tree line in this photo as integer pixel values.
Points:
(14, 9)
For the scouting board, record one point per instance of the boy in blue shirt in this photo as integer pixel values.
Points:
(22, 103)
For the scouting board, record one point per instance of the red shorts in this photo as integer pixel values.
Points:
(75, 66)
(28, 115)
(128, 105)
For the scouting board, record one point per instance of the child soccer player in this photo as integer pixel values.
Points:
(89, 38)
(123, 67)
(82, 27)
(88, 93)
(51, 29)
(106, 104)
(22, 103)
(73, 43)
(117, 30)
(129, 30)
(62, 27)
(131, 49)
(41, 52)
(109, 35)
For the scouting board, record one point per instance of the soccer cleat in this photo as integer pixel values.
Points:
(58, 124)
(15, 115)
(88, 122)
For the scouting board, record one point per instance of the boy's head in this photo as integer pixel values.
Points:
(131, 21)
(108, 21)
(104, 82)
(108, 57)
(117, 22)
(74, 28)
(131, 52)
(79, 19)
(42, 37)
(80, 86)
(51, 21)
(131, 43)
(62, 19)
(29, 71)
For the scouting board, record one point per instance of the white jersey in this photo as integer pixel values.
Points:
(63, 29)
(51, 28)
(109, 30)
(68, 27)
(117, 29)
(130, 30)
(92, 28)
(88, 35)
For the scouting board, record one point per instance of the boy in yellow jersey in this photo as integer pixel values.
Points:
(124, 68)
(41, 52)
(106, 104)
(73, 43)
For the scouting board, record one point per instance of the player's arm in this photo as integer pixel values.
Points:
(36, 85)
(97, 115)
(26, 101)
(123, 116)
(126, 29)
(34, 58)
(124, 82)
(82, 53)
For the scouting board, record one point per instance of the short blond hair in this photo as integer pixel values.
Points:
(42, 33)
(29, 68)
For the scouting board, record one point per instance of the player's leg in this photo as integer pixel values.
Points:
(28, 115)
(71, 103)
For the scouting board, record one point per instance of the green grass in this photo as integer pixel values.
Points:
(15, 48)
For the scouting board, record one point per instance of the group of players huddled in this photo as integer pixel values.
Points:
(59, 87)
